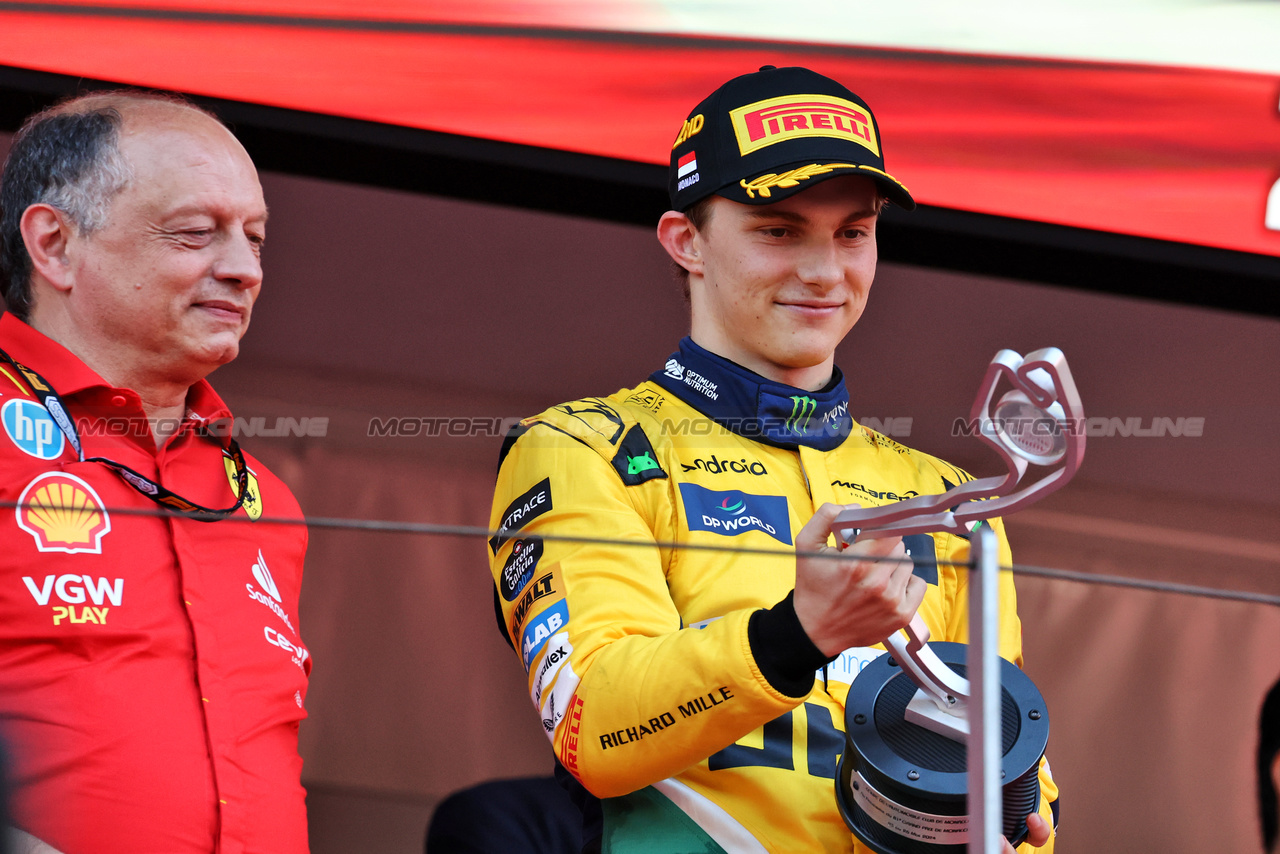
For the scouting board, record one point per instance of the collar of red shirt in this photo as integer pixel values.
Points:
(69, 376)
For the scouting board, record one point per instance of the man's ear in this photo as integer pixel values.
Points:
(47, 232)
(679, 237)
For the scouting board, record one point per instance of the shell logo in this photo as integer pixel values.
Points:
(63, 514)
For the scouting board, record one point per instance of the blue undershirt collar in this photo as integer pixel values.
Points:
(750, 405)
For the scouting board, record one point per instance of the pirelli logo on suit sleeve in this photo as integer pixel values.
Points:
(793, 116)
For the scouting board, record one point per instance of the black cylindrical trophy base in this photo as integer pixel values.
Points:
(902, 789)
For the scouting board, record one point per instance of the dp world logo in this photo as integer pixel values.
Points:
(31, 428)
(730, 513)
(733, 506)
(802, 409)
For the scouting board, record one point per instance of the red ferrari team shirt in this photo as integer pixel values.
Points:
(152, 677)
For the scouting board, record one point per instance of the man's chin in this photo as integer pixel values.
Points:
(806, 354)
(213, 353)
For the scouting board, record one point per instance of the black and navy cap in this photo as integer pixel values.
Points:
(763, 136)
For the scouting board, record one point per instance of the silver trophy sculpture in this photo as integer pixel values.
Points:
(902, 784)
(1039, 421)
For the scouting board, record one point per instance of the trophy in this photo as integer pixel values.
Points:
(913, 726)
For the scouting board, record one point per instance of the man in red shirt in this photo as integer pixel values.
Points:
(152, 677)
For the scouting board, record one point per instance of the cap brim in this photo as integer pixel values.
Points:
(796, 177)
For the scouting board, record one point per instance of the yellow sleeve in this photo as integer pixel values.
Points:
(608, 660)
(1010, 625)
(1048, 809)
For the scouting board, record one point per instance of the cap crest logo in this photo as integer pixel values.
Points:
(791, 178)
(794, 116)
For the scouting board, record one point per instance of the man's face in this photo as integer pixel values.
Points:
(169, 282)
(781, 284)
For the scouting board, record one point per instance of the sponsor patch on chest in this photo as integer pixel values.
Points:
(733, 512)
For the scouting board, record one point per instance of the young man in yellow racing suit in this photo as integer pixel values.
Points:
(693, 680)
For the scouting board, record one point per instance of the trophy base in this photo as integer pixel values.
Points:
(902, 788)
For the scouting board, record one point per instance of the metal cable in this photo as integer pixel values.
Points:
(388, 526)
(1144, 584)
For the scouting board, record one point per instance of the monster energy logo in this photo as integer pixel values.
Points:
(801, 411)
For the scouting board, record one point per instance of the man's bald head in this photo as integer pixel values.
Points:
(70, 157)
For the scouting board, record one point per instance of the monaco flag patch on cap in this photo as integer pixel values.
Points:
(687, 164)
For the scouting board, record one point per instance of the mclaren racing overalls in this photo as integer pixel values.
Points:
(661, 695)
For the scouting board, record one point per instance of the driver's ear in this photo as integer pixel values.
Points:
(679, 236)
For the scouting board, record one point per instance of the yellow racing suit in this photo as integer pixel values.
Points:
(671, 674)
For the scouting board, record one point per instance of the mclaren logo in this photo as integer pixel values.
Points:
(875, 493)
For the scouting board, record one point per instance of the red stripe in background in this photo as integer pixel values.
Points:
(1178, 154)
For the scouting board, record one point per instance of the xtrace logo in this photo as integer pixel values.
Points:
(730, 513)
(520, 512)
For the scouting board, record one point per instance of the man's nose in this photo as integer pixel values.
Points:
(821, 266)
(239, 264)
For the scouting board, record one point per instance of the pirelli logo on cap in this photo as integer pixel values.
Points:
(793, 116)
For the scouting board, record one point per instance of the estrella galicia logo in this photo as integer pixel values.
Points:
(541, 629)
(527, 507)
(730, 513)
(520, 566)
(802, 409)
(32, 429)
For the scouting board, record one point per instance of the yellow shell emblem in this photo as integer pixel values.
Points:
(253, 501)
(63, 514)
